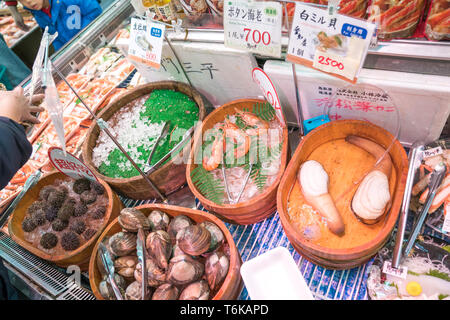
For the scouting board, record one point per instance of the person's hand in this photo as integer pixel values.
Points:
(18, 19)
(14, 105)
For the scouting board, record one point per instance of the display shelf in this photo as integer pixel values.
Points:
(251, 240)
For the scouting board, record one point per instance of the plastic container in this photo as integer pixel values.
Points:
(275, 276)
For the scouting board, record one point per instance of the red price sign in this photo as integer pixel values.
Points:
(69, 164)
(330, 62)
(269, 91)
(257, 36)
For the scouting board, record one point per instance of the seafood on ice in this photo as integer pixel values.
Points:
(245, 149)
(314, 182)
(372, 198)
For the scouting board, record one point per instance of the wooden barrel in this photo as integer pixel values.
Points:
(168, 177)
(346, 257)
(231, 286)
(79, 256)
(257, 208)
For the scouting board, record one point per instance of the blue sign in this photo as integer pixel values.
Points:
(155, 32)
(349, 30)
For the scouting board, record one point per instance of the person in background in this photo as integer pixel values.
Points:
(15, 150)
(67, 17)
(18, 19)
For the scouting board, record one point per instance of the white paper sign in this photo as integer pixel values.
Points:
(253, 26)
(432, 152)
(335, 44)
(146, 42)
(69, 164)
(269, 91)
(401, 272)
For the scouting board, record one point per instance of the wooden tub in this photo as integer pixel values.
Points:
(168, 177)
(79, 256)
(257, 208)
(231, 286)
(345, 164)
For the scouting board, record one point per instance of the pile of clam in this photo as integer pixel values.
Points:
(184, 260)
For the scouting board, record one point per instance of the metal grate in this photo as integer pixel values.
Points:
(51, 279)
(76, 293)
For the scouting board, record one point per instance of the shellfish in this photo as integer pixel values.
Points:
(159, 247)
(183, 270)
(194, 240)
(217, 236)
(178, 223)
(158, 220)
(131, 219)
(106, 289)
(196, 291)
(166, 291)
(216, 269)
(125, 266)
(122, 243)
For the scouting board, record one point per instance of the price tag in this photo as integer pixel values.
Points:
(253, 26)
(146, 42)
(401, 272)
(269, 91)
(69, 164)
(335, 44)
(432, 152)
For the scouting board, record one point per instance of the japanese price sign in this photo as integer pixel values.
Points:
(253, 26)
(69, 164)
(269, 91)
(146, 42)
(335, 44)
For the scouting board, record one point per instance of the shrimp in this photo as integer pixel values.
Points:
(253, 121)
(212, 162)
(239, 138)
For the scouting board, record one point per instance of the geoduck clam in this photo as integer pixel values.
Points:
(314, 182)
(159, 247)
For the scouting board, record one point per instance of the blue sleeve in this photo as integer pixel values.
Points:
(90, 9)
(15, 149)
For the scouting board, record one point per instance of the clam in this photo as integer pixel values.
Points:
(194, 240)
(159, 246)
(155, 275)
(122, 243)
(217, 236)
(131, 219)
(176, 251)
(106, 289)
(196, 291)
(158, 220)
(166, 291)
(183, 270)
(134, 291)
(125, 266)
(178, 223)
(216, 269)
